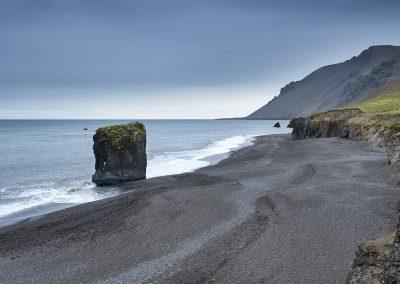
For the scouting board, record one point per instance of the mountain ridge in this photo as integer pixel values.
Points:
(335, 85)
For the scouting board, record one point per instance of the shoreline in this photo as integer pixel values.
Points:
(270, 203)
(27, 214)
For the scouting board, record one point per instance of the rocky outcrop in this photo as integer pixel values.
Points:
(277, 125)
(301, 127)
(377, 260)
(351, 124)
(120, 152)
(330, 124)
(371, 260)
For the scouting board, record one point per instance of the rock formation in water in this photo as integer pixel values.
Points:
(120, 152)
(277, 125)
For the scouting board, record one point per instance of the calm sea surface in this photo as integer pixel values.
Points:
(47, 165)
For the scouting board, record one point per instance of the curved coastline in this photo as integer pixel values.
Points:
(252, 216)
(190, 161)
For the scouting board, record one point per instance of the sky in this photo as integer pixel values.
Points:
(173, 59)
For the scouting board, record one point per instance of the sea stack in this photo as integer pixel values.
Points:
(277, 125)
(120, 152)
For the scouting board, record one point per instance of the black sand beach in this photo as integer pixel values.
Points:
(279, 211)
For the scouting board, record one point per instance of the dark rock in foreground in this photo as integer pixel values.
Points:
(277, 125)
(371, 260)
(120, 152)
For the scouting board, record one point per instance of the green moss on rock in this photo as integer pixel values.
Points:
(115, 136)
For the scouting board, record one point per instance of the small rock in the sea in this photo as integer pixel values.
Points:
(85, 128)
(277, 125)
(120, 152)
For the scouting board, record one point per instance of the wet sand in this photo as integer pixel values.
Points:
(277, 211)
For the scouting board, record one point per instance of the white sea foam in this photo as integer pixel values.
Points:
(25, 197)
(30, 196)
(187, 161)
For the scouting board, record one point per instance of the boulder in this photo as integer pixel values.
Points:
(371, 262)
(277, 125)
(120, 152)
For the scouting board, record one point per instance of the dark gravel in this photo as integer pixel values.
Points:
(280, 211)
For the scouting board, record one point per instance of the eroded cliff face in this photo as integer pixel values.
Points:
(381, 131)
(120, 152)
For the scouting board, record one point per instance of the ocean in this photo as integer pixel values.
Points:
(47, 165)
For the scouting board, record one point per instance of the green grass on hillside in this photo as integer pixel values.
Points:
(379, 116)
(381, 104)
(381, 111)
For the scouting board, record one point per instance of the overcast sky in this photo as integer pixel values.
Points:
(173, 59)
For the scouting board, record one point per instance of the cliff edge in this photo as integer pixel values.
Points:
(376, 120)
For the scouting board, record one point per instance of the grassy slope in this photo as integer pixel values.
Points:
(388, 103)
(382, 111)
(379, 116)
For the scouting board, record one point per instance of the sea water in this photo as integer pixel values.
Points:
(46, 165)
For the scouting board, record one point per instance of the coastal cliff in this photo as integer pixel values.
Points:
(382, 131)
(120, 152)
